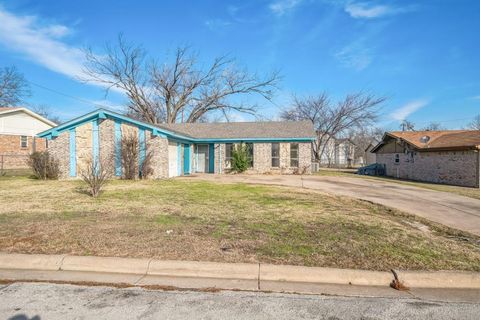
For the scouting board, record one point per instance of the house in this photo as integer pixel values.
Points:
(18, 130)
(180, 149)
(370, 157)
(447, 157)
(338, 153)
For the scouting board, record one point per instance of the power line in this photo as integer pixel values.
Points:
(69, 96)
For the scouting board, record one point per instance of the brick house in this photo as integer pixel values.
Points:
(18, 130)
(446, 157)
(180, 149)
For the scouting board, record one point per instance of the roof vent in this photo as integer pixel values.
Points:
(424, 139)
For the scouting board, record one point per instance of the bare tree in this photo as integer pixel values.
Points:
(13, 87)
(407, 125)
(46, 112)
(363, 137)
(178, 91)
(475, 124)
(356, 111)
(433, 126)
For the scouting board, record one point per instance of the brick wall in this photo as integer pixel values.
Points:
(13, 156)
(59, 148)
(262, 159)
(447, 167)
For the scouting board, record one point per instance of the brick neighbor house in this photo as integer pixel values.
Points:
(447, 157)
(180, 149)
(18, 130)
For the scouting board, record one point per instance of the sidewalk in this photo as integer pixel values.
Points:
(235, 276)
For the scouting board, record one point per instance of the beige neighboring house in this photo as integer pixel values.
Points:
(338, 153)
(446, 157)
(370, 157)
(18, 130)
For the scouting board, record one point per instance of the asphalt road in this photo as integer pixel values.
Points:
(21, 301)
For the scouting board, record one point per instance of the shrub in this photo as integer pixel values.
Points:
(240, 158)
(130, 153)
(95, 174)
(43, 165)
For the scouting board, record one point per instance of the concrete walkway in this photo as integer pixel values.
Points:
(446, 208)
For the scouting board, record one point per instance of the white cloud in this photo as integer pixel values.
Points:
(367, 10)
(355, 56)
(217, 24)
(476, 97)
(281, 7)
(404, 111)
(41, 44)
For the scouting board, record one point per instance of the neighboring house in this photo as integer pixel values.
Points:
(181, 149)
(370, 157)
(18, 130)
(338, 153)
(447, 157)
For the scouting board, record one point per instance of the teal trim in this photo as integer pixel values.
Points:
(211, 158)
(95, 140)
(179, 158)
(105, 114)
(118, 148)
(186, 159)
(143, 148)
(73, 154)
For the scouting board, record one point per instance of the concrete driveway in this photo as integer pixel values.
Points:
(446, 208)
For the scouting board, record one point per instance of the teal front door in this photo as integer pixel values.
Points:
(186, 159)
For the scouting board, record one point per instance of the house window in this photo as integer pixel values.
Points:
(294, 155)
(275, 155)
(23, 142)
(397, 158)
(228, 155)
(250, 153)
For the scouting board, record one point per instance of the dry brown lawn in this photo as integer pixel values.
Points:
(193, 220)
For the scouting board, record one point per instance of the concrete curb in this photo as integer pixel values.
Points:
(194, 274)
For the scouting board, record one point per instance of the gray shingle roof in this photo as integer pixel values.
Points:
(244, 130)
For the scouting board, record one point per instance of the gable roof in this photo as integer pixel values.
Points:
(8, 110)
(245, 130)
(436, 140)
(203, 132)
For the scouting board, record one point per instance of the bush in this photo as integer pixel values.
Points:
(95, 174)
(240, 158)
(43, 165)
(130, 153)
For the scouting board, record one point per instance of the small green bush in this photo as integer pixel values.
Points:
(43, 165)
(240, 158)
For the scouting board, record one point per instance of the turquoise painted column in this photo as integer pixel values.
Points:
(211, 158)
(186, 159)
(143, 149)
(179, 158)
(73, 153)
(118, 148)
(95, 140)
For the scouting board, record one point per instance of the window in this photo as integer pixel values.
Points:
(250, 153)
(397, 158)
(23, 142)
(275, 155)
(294, 155)
(228, 155)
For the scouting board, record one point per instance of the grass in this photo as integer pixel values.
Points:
(193, 220)
(463, 191)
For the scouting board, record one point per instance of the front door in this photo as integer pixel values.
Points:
(202, 158)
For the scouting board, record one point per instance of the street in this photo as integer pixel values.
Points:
(21, 301)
